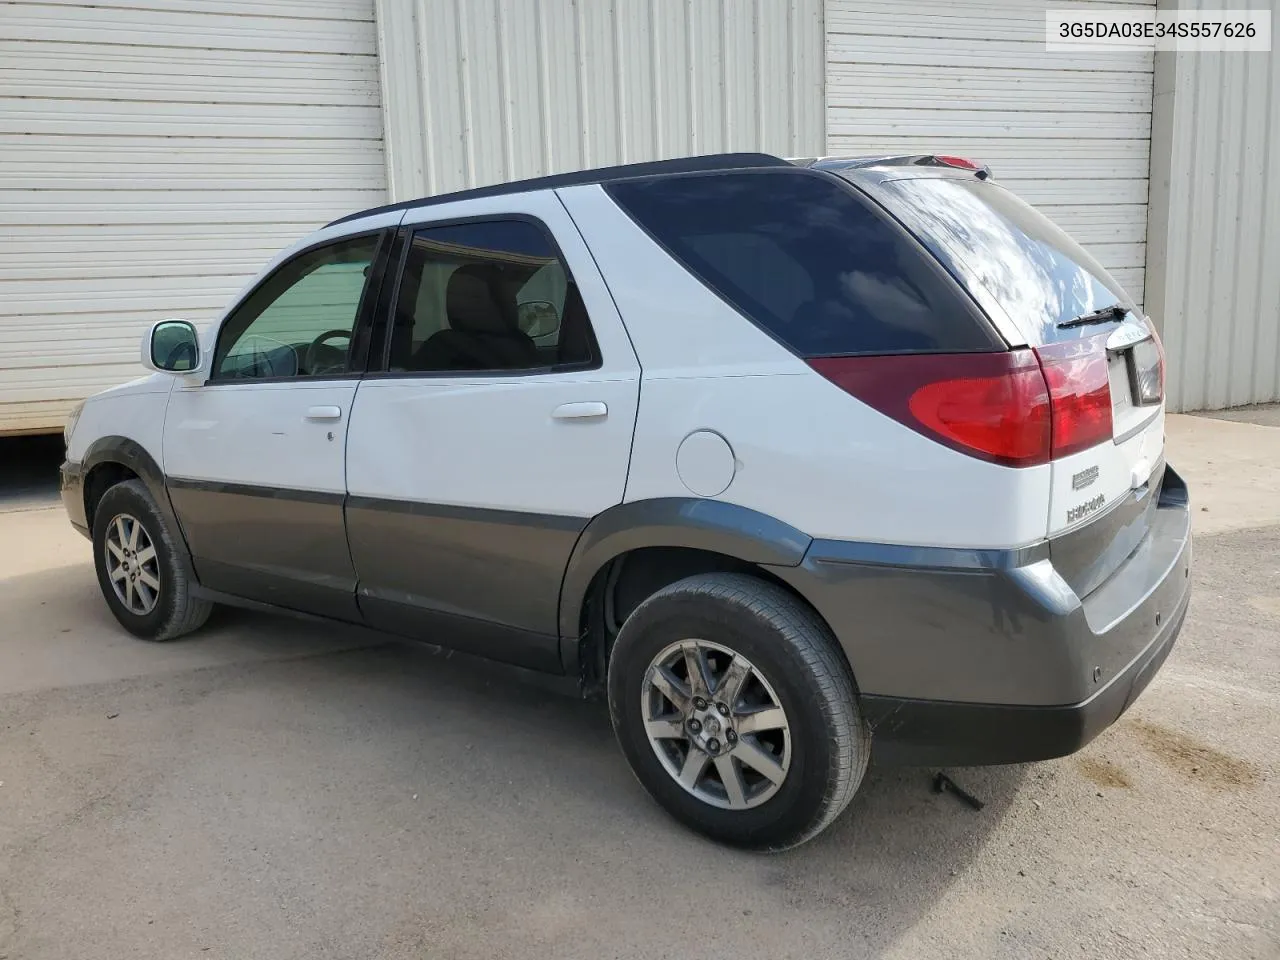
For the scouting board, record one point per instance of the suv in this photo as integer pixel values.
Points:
(797, 461)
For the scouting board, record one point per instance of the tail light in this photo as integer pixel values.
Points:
(961, 162)
(1079, 393)
(1019, 408)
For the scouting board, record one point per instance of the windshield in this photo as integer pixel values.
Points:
(1009, 256)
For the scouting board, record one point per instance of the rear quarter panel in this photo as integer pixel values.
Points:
(803, 451)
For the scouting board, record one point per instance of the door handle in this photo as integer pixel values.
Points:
(588, 410)
(324, 413)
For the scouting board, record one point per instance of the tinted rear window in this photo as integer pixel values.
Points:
(1009, 255)
(808, 260)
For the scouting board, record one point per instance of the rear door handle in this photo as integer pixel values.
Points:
(587, 410)
(324, 413)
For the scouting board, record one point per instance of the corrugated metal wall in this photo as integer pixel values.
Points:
(1069, 132)
(154, 154)
(1214, 247)
(481, 91)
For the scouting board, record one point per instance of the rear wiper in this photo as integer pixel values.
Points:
(1105, 315)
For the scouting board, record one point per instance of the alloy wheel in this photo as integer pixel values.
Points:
(132, 565)
(716, 724)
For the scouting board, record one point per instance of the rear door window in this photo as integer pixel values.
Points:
(808, 260)
(488, 295)
(1009, 255)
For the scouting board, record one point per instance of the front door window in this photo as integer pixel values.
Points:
(299, 323)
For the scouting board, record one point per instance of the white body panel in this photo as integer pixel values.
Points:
(259, 434)
(493, 441)
(133, 410)
(829, 465)
(153, 156)
(807, 453)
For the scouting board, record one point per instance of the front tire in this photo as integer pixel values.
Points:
(737, 711)
(139, 566)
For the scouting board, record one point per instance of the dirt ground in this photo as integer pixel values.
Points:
(273, 789)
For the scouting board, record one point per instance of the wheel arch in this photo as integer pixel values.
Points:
(664, 539)
(111, 459)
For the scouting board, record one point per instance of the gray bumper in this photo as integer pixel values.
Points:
(71, 477)
(970, 642)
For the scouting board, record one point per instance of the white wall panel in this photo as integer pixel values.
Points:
(1214, 246)
(1069, 132)
(482, 91)
(153, 155)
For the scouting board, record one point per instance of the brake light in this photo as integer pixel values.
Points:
(1079, 393)
(1018, 408)
(960, 162)
(993, 406)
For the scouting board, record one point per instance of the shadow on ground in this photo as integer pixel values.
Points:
(276, 788)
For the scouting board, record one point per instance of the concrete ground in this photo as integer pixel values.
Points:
(270, 788)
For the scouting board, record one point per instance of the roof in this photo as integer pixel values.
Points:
(656, 168)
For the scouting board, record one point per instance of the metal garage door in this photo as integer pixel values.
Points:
(155, 153)
(1070, 132)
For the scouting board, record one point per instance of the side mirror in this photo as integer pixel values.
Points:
(171, 346)
(537, 318)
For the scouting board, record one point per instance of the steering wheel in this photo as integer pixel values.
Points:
(337, 359)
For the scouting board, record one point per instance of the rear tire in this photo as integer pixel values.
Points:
(140, 568)
(803, 747)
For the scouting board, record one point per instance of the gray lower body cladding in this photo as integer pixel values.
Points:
(909, 732)
(71, 483)
(969, 657)
(960, 656)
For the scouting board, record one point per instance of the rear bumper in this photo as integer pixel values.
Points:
(977, 657)
(933, 732)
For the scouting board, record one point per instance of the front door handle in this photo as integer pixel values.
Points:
(589, 410)
(324, 413)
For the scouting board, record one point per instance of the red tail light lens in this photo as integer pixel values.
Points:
(989, 405)
(1019, 408)
(1079, 393)
(961, 162)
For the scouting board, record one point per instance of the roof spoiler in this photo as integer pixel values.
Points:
(981, 170)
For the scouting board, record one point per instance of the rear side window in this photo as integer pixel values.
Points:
(488, 296)
(809, 261)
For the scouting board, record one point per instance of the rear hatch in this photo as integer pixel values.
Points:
(1100, 356)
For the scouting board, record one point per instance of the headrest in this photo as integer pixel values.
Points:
(476, 302)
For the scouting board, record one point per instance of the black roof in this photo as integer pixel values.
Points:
(656, 168)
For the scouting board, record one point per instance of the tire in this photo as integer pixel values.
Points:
(820, 753)
(173, 611)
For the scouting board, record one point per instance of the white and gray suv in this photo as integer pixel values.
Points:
(800, 462)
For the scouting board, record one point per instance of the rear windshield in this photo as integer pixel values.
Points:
(1009, 255)
(808, 260)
